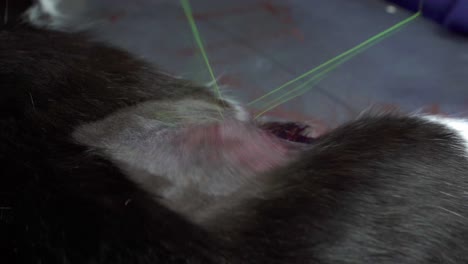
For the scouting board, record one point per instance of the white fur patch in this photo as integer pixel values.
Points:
(50, 7)
(240, 113)
(33, 14)
(47, 13)
(43, 13)
(460, 126)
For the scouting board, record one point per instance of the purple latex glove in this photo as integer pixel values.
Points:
(452, 14)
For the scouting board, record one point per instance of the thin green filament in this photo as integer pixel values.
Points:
(320, 71)
(196, 34)
(334, 62)
(320, 75)
(298, 91)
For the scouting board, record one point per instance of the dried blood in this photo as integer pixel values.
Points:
(290, 131)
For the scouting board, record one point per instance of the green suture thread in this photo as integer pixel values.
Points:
(300, 86)
(336, 61)
(322, 70)
(188, 13)
(351, 51)
(298, 91)
(320, 76)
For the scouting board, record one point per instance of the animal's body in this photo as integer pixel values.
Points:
(104, 159)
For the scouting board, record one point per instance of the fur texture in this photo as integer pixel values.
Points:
(106, 160)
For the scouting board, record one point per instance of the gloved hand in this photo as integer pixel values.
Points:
(452, 14)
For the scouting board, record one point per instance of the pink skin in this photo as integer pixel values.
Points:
(243, 145)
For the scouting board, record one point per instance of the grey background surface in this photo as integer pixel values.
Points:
(255, 46)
